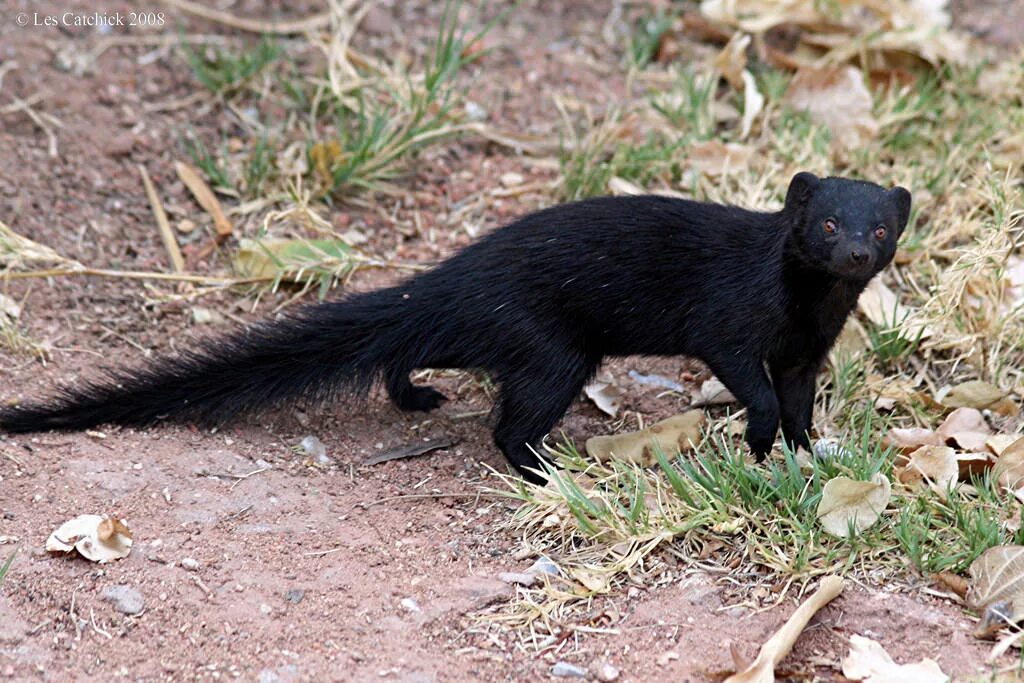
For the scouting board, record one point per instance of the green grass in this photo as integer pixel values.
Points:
(225, 71)
(380, 126)
(7, 565)
(211, 164)
(647, 35)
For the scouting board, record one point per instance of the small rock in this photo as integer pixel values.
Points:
(543, 565)
(482, 591)
(830, 449)
(511, 179)
(202, 316)
(377, 20)
(567, 670)
(295, 595)
(265, 608)
(475, 112)
(119, 145)
(606, 673)
(125, 599)
(189, 563)
(313, 447)
(410, 605)
(666, 657)
(522, 578)
(186, 226)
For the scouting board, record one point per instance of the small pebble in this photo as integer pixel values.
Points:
(410, 605)
(125, 599)
(314, 448)
(189, 563)
(830, 449)
(265, 608)
(511, 179)
(607, 673)
(543, 565)
(295, 595)
(567, 670)
(475, 112)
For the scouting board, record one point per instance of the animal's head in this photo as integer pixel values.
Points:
(848, 228)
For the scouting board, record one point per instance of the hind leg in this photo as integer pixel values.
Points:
(533, 400)
(408, 396)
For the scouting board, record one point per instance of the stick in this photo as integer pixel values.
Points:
(170, 243)
(762, 669)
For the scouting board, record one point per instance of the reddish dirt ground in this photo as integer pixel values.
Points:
(300, 569)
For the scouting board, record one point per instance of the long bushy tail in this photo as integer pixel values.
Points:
(313, 354)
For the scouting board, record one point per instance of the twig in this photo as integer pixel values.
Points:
(95, 626)
(205, 198)
(170, 242)
(421, 496)
(409, 450)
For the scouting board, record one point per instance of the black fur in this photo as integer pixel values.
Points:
(540, 303)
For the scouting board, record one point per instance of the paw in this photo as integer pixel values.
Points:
(422, 398)
(760, 447)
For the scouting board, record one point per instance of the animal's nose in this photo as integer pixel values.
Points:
(858, 256)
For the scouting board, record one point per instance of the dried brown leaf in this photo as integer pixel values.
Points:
(681, 432)
(1009, 467)
(935, 466)
(868, 661)
(997, 578)
(838, 99)
(847, 503)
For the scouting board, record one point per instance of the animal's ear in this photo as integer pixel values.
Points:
(900, 198)
(801, 187)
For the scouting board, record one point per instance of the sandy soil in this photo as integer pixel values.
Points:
(257, 563)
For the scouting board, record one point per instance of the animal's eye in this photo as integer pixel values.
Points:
(829, 226)
(880, 232)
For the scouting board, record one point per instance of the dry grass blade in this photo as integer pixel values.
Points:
(205, 198)
(166, 234)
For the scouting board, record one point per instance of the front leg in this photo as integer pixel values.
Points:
(748, 382)
(794, 387)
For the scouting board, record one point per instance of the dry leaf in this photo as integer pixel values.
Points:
(997, 580)
(868, 661)
(716, 158)
(681, 432)
(732, 60)
(838, 99)
(762, 669)
(95, 538)
(953, 583)
(606, 396)
(909, 440)
(594, 580)
(297, 260)
(753, 103)
(973, 464)
(963, 420)
(1009, 467)
(713, 392)
(882, 307)
(934, 465)
(847, 503)
(972, 394)
(998, 443)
